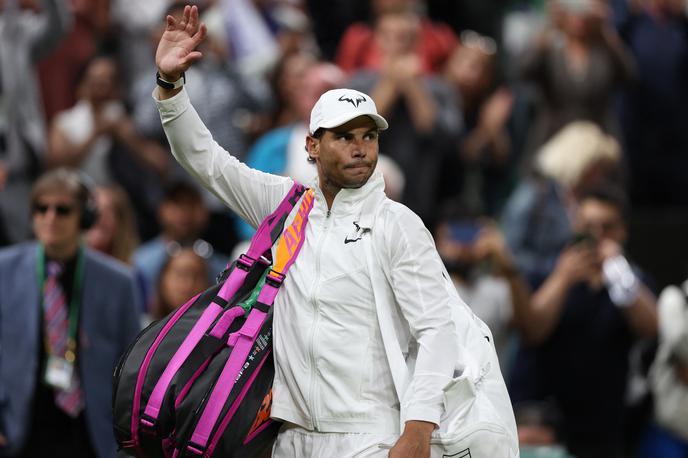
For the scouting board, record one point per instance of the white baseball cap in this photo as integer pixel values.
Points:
(339, 106)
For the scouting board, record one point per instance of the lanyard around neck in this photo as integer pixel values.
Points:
(74, 303)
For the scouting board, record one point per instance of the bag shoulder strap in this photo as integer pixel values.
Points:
(383, 307)
(271, 227)
(288, 249)
(266, 235)
(243, 339)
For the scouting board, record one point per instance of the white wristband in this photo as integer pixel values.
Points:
(621, 282)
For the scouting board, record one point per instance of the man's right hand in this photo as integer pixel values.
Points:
(576, 264)
(177, 48)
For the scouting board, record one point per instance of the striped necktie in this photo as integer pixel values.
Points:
(56, 320)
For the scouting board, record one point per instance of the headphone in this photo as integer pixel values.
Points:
(77, 183)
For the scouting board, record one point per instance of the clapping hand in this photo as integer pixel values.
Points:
(177, 48)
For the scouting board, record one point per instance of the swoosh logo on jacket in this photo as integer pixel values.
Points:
(357, 235)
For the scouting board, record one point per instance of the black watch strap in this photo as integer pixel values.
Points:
(167, 84)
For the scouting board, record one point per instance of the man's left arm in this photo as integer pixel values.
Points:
(628, 291)
(416, 274)
(641, 314)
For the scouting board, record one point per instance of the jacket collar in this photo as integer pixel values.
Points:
(353, 201)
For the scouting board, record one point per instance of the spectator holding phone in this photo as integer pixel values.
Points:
(537, 216)
(483, 271)
(581, 324)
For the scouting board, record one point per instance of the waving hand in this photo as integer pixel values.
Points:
(177, 48)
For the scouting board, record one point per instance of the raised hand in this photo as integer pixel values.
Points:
(177, 48)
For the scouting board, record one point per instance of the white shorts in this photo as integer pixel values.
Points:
(296, 442)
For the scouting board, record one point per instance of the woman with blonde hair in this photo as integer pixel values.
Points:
(536, 218)
(577, 154)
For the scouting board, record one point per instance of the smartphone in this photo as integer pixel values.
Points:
(582, 238)
(464, 231)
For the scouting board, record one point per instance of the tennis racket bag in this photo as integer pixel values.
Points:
(199, 381)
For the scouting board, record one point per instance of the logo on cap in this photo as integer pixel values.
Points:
(353, 102)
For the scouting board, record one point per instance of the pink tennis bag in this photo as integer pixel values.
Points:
(198, 383)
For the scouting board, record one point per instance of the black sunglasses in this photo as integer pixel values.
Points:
(60, 210)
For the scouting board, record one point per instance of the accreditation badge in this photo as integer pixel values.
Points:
(58, 372)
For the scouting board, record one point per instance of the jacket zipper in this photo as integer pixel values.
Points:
(316, 285)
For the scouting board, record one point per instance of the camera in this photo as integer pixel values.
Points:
(585, 238)
(464, 232)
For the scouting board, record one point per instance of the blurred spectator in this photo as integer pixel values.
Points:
(668, 437)
(523, 21)
(259, 32)
(536, 218)
(421, 109)
(29, 30)
(576, 64)
(479, 167)
(484, 16)
(68, 313)
(483, 271)
(183, 218)
(394, 178)
(183, 275)
(360, 50)
(85, 135)
(287, 82)
(134, 20)
(114, 232)
(539, 430)
(282, 151)
(654, 111)
(581, 325)
(226, 101)
(59, 72)
(330, 20)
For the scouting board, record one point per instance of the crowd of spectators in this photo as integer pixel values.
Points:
(531, 136)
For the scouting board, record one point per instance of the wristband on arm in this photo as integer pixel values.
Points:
(622, 284)
(169, 84)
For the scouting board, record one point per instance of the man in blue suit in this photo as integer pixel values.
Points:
(66, 315)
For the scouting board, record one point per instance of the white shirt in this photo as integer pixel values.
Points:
(77, 124)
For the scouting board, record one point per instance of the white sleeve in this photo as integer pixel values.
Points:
(250, 193)
(416, 274)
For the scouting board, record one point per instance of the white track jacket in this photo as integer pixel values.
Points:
(332, 373)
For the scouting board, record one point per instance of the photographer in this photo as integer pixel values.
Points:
(582, 323)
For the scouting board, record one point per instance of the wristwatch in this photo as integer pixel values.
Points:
(168, 84)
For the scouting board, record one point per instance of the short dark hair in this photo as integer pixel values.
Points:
(180, 191)
(610, 194)
(317, 134)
